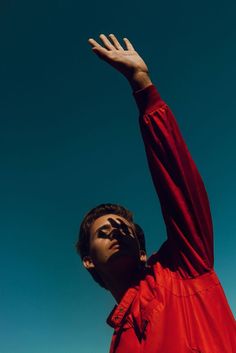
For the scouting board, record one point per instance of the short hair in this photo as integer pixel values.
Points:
(83, 243)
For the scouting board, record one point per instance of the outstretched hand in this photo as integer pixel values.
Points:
(127, 61)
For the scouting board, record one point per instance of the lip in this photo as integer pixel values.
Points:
(114, 243)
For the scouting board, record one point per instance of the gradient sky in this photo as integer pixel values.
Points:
(70, 140)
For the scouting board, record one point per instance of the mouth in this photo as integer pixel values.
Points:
(114, 243)
(119, 246)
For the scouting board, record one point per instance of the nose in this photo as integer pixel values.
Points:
(115, 234)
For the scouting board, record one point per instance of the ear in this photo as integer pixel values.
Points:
(142, 256)
(88, 262)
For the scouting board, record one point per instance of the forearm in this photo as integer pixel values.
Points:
(139, 80)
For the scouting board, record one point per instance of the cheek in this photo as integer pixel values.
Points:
(99, 253)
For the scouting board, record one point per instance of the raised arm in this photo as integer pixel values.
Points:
(183, 198)
(180, 188)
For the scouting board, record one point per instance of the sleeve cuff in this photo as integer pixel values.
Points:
(147, 99)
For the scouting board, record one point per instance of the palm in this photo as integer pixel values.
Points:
(126, 61)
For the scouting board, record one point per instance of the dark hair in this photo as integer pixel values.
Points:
(82, 245)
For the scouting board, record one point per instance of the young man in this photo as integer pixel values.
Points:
(174, 302)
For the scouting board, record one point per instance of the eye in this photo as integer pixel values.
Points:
(102, 234)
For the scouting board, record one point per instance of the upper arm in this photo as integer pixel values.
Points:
(181, 191)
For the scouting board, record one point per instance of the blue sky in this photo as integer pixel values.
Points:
(65, 116)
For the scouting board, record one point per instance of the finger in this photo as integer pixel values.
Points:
(115, 42)
(94, 43)
(121, 227)
(98, 49)
(114, 223)
(106, 42)
(128, 44)
(126, 229)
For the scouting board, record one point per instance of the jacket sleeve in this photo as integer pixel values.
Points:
(183, 198)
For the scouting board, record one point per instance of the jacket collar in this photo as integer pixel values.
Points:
(119, 311)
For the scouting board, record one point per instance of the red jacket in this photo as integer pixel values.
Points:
(178, 304)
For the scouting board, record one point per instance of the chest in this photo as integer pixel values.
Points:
(160, 321)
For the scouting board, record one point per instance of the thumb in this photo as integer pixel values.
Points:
(99, 50)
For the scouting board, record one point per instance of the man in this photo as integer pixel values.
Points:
(172, 303)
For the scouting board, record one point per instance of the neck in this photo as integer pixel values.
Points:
(119, 286)
(119, 283)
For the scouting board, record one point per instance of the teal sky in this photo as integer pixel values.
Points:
(66, 116)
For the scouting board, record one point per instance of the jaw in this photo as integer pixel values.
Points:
(120, 267)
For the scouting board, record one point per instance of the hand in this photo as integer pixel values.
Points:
(127, 61)
(121, 226)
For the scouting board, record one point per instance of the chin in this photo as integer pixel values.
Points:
(123, 261)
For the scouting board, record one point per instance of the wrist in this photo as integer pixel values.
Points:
(139, 80)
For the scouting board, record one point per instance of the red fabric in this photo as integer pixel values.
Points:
(177, 305)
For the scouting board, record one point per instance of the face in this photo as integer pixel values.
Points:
(112, 243)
